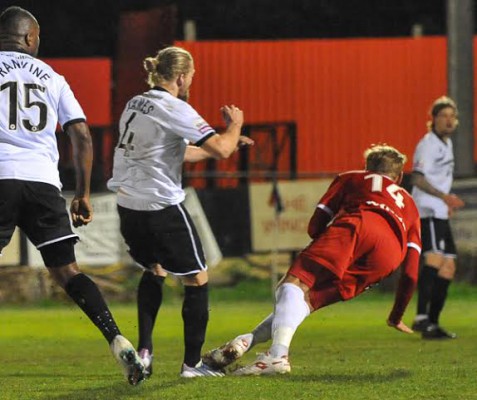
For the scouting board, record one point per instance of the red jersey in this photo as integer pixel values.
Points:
(365, 190)
(346, 208)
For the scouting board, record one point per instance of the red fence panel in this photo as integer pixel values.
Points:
(90, 79)
(343, 94)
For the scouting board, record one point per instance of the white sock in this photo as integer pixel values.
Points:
(291, 310)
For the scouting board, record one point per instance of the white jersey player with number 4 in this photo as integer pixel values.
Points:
(35, 98)
(155, 129)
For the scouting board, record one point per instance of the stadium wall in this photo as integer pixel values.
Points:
(343, 94)
(90, 79)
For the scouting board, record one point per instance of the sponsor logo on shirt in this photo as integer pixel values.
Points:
(389, 210)
(202, 126)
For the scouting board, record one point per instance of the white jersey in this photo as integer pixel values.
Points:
(33, 99)
(155, 128)
(434, 158)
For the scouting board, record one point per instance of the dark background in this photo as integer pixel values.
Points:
(84, 28)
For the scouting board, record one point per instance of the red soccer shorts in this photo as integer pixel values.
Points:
(356, 251)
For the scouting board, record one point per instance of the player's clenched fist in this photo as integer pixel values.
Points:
(81, 211)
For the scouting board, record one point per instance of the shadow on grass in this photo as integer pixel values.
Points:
(115, 391)
(337, 378)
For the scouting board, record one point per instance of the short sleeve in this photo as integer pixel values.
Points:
(189, 124)
(423, 157)
(332, 199)
(69, 109)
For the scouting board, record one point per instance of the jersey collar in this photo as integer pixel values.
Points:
(161, 89)
(438, 137)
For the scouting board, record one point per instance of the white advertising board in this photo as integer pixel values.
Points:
(288, 229)
(100, 241)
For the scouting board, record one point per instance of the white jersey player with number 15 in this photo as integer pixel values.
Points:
(35, 98)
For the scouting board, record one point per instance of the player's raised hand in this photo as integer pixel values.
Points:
(232, 114)
(81, 211)
(400, 326)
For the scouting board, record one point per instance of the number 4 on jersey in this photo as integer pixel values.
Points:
(126, 142)
(393, 189)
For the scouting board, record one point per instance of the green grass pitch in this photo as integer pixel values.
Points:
(342, 352)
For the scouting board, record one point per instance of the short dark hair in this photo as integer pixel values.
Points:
(10, 18)
(438, 105)
(441, 103)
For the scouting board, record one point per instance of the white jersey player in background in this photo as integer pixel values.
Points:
(33, 99)
(156, 128)
(432, 177)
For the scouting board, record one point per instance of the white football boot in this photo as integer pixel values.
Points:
(200, 370)
(146, 358)
(228, 353)
(128, 359)
(265, 364)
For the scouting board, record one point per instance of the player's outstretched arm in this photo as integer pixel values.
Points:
(81, 209)
(405, 290)
(196, 154)
(224, 145)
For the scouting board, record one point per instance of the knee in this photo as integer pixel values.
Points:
(157, 270)
(61, 275)
(448, 269)
(199, 279)
(434, 260)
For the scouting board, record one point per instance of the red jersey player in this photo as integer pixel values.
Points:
(364, 227)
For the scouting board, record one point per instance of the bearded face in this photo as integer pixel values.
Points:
(184, 89)
(184, 96)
